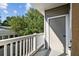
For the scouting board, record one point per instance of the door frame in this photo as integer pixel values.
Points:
(66, 27)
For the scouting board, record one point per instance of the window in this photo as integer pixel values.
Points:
(16, 35)
(5, 37)
(11, 36)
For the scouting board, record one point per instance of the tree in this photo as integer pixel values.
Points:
(5, 22)
(35, 21)
(31, 22)
(17, 24)
(0, 22)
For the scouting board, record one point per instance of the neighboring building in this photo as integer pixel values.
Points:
(6, 32)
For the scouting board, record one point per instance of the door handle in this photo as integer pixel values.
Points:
(64, 35)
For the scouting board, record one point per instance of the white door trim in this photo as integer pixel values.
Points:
(66, 25)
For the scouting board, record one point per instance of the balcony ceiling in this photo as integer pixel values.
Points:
(41, 7)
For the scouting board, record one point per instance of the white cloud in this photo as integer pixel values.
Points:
(27, 6)
(3, 5)
(5, 11)
(15, 11)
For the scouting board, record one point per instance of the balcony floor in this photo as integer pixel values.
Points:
(46, 52)
(42, 52)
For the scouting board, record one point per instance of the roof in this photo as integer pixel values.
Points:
(41, 7)
(4, 30)
(5, 27)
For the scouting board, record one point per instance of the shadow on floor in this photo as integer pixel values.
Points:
(63, 54)
(43, 52)
(46, 52)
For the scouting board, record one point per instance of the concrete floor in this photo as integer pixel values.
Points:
(46, 52)
(42, 52)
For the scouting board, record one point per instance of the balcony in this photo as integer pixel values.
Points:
(22, 46)
(30, 45)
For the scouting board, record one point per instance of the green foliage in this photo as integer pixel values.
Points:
(17, 24)
(5, 23)
(31, 22)
(34, 21)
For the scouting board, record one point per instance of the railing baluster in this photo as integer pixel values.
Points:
(34, 43)
(20, 48)
(23, 47)
(16, 50)
(11, 49)
(5, 50)
(26, 47)
(29, 45)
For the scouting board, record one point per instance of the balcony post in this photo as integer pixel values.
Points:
(34, 42)
(5, 50)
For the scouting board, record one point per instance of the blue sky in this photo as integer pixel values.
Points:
(13, 9)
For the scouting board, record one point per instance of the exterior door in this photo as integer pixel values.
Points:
(57, 35)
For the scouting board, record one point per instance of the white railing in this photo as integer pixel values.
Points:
(22, 46)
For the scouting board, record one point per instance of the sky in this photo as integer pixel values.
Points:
(13, 9)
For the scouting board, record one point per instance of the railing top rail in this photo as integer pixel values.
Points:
(11, 40)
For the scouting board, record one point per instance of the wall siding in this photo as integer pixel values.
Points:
(57, 11)
(75, 30)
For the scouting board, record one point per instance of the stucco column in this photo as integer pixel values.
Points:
(75, 30)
